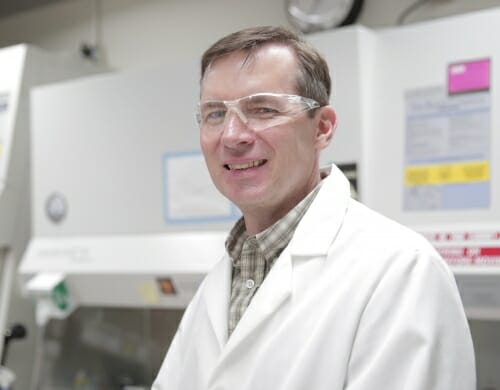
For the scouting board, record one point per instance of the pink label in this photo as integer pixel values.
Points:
(469, 76)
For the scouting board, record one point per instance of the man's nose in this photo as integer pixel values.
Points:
(236, 132)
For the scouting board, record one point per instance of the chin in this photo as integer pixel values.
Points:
(239, 197)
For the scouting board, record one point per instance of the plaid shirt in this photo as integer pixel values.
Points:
(254, 256)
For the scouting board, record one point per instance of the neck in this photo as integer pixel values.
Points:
(259, 219)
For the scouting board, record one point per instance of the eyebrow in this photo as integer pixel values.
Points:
(259, 97)
(213, 103)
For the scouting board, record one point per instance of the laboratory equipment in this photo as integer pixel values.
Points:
(124, 213)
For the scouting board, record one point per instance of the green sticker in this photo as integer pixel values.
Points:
(60, 296)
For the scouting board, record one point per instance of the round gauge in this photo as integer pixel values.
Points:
(56, 207)
(317, 15)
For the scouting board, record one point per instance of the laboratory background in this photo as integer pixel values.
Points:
(103, 185)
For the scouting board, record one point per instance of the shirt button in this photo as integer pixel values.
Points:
(249, 283)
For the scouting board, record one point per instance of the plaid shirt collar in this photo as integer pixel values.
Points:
(275, 238)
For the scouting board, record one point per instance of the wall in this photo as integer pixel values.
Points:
(138, 33)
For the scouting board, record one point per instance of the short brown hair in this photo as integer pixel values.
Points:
(313, 80)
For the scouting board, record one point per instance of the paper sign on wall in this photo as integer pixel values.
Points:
(189, 194)
(447, 151)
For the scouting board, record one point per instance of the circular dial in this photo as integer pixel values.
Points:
(316, 15)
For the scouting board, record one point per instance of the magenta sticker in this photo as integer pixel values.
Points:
(469, 76)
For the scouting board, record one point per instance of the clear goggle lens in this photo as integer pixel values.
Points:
(258, 112)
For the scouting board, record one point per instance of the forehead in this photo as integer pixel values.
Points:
(270, 68)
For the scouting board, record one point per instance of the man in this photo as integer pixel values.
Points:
(316, 291)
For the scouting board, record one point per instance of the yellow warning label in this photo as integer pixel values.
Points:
(468, 172)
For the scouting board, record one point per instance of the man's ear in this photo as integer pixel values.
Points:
(327, 123)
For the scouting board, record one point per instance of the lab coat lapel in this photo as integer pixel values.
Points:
(271, 295)
(322, 222)
(218, 286)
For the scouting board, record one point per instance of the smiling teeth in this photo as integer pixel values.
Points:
(247, 165)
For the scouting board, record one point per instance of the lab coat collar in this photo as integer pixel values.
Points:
(321, 223)
(275, 290)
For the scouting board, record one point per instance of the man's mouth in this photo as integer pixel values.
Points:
(247, 165)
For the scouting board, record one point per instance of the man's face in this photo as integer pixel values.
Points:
(272, 169)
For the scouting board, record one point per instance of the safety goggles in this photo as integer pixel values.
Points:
(258, 112)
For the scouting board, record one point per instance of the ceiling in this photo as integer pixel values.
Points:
(10, 7)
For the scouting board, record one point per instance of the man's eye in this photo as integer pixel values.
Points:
(215, 115)
(264, 110)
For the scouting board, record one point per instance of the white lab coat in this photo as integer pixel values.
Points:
(355, 302)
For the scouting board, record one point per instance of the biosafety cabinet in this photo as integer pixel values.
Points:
(21, 67)
(124, 212)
